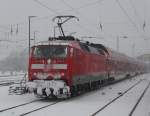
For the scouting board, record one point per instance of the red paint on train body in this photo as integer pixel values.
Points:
(73, 65)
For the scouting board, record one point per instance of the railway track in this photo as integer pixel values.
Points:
(27, 105)
(11, 75)
(13, 107)
(116, 98)
(138, 101)
(36, 105)
(37, 109)
(9, 82)
(6, 84)
(4, 81)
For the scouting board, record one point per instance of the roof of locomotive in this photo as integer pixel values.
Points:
(55, 42)
(71, 41)
(59, 41)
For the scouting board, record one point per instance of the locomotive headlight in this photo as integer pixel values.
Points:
(62, 74)
(34, 74)
(49, 61)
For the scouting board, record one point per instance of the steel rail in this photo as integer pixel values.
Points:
(39, 108)
(140, 98)
(13, 107)
(116, 98)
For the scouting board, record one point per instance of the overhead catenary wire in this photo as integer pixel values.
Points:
(144, 22)
(125, 12)
(87, 5)
(50, 9)
(48, 16)
(54, 11)
(76, 10)
(80, 7)
(130, 19)
(65, 3)
(84, 27)
(43, 5)
(135, 11)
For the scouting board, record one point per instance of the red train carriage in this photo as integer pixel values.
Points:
(62, 68)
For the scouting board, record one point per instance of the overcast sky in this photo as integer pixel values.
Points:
(118, 18)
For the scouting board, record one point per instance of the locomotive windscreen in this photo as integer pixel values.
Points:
(50, 51)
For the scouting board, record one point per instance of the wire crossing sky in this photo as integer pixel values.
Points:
(104, 19)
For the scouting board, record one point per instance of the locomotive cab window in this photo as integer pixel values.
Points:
(37, 52)
(53, 51)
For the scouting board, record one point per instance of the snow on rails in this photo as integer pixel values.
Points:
(126, 95)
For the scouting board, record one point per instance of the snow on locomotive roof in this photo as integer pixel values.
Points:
(55, 42)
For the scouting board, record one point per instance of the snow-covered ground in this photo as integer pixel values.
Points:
(11, 77)
(10, 73)
(86, 104)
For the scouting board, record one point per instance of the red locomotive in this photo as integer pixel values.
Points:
(64, 66)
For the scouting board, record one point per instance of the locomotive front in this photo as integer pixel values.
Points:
(48, 70)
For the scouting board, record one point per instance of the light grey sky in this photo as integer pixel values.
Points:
(118, 18)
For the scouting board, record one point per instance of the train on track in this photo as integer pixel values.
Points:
(63, 66)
